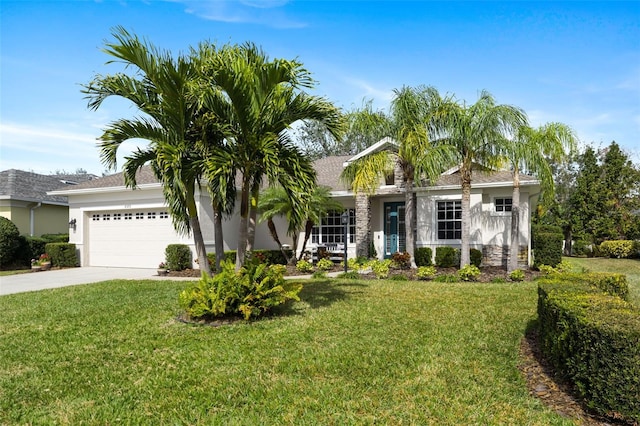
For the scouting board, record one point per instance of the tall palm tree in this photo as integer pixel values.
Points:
(532, 150)
(477, 133)
(416, 156)
(161, 90)
(266, 97)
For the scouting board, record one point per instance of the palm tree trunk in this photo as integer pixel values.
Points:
(466, 218)
(253, 213)
(219, 240)
(514, 247)
(274, 234)
(242, 232)
(410, 219)
(194, 222)
(307, 233)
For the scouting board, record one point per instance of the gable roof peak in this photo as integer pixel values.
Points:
(382, 144)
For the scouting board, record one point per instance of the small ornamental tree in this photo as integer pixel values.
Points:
(9, 241)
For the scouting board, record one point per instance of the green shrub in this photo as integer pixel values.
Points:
(325, 264)
(350, 275)
(581, 248)
(545, 229)
(9, 241)
(469, 273)
(357, 264)
(399, 277)
(380, 268)
(447, 257)
(62, 255)
(230, 255)
(547, 249)
(55, 238)
(426, 272)
(249, 293)
(517, 275)
(270, 257)
(619, 249)
(424, 256)
(401, 259)
(476, 257)
(319, 274)
(178, 257)
(593, 339)
(372, 250)
(446, 278)
(304, 266)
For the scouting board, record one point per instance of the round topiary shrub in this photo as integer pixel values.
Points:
(9, 241)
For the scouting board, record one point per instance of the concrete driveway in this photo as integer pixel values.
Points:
(33, 281)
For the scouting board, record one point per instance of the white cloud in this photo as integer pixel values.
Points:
(46, 148)
(263, 12)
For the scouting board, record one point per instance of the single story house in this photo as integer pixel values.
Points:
(24, 200)
(122, 227)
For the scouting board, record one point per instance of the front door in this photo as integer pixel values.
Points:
(394, 228)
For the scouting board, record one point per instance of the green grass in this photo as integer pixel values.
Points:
(350, 352)
(629, 267)
(14, 272)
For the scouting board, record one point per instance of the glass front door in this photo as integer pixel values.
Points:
(394, 228)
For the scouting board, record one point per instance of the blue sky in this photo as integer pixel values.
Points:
(573, 62)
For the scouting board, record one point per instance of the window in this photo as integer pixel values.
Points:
(331, 230)
(164, 215)
(151, 215)
(139, 215)
(106, 216)
(95, 217)
(128, 216)
(449, 220)
(117, 216)
(503, 205)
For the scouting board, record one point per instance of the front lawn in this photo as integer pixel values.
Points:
(351, 352)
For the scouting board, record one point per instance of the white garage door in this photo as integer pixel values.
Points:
(132, 238)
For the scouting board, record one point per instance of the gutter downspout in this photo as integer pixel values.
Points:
(32, 218)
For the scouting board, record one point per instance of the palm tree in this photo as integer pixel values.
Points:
(477, 133)
(161, 90)
(275, 202)
(532, 150)
(416, 156)
(266, 98)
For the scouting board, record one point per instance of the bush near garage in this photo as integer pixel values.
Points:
(9, 241)
(178, 257)
(592, 337)
(63, 255)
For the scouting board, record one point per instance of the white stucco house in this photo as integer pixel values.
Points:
(119, 227)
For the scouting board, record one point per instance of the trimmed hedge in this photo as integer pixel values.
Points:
(62, 255)
(270, 257)
(476, 257)
(547, 246)
(593, 338)
(447, 257)
(423, 256)
(178, 257)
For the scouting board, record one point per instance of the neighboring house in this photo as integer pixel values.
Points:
(24, 201)
(120, 227)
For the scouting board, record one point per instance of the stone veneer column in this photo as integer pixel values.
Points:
(363, 224)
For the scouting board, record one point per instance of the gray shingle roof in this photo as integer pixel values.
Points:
(29, 186)
(328, 171)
